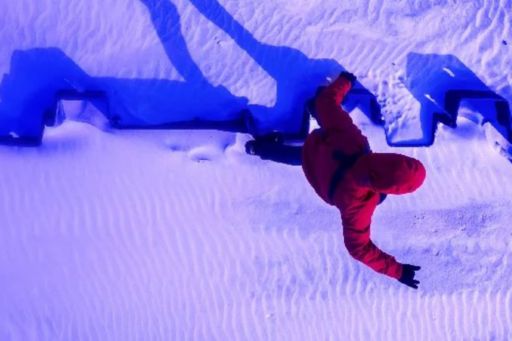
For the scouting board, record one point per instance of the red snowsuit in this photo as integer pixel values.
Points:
(357, 192)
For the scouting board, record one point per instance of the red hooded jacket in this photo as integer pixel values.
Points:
(357, 192)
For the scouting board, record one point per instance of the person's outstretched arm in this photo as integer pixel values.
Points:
(361, 247)
(356, 217)
(329, 113)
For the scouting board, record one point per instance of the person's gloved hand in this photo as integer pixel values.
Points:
(349, 76)
(408, 272)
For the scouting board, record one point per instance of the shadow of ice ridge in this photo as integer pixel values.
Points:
(38, 78)
(297, 78)
(442, 84)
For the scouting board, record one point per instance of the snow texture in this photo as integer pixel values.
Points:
(159, 234)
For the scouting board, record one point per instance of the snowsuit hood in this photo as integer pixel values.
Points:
(390, 173)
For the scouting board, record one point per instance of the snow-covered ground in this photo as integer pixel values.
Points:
(179, 235)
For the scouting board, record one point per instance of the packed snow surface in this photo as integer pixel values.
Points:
(112, 234)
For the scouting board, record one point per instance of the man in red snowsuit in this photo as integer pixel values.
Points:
(338, 163)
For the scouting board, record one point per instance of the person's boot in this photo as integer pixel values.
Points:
(253, 147)
(250, 147)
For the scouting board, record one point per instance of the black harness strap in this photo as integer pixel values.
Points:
(345, 163)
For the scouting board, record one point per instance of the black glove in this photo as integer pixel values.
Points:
(408, 273)
(349, 76)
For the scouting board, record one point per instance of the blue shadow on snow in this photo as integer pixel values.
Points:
(442, 84)
(39, 78)
(297, 79)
